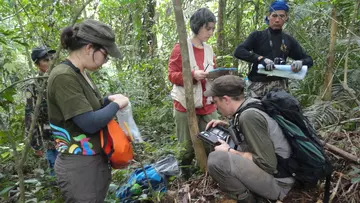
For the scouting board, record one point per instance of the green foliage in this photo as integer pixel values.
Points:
(146, 33)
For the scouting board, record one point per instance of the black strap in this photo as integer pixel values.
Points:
(105, 133)
(68, 62)
(241, 109)
(282, 172)
(234, 123)
(327, 189)
(105, 138)
(272, 44)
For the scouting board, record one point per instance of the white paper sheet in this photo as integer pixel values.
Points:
(284, 71)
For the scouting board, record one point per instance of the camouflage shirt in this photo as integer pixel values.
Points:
(41, 139)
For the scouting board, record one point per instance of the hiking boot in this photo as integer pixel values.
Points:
(261, 199)
(249, 199)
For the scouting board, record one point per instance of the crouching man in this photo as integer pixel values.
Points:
(248, 174)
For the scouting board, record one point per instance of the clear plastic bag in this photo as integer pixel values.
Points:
(127, 123)
(167, 166)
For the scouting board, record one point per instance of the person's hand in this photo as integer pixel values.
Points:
(120, 99)
(296, 66)
(39, 153)
(214, 123)
(268, 64)
(200, 74)
(112, 97)
(223, 146)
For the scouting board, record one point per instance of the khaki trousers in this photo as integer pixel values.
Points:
(238, 177)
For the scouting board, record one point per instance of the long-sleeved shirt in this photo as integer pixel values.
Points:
(254, 127)
(175, 77)
(258, 44)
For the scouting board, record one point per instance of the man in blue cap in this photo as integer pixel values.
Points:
(41, 140)
(270, 47)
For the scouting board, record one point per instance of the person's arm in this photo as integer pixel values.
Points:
(296, 52)
(246, 155)
(106, 101)
(255, 130)
(225, 147)
(93, 121)
(243, 51)
(29, 95)
(175, 67)
(69, 97)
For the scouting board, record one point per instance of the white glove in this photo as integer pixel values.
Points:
(296, 66)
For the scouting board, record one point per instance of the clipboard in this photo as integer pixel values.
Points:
(217, 72)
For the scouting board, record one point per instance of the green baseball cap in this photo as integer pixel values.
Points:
(98, 33)
(229, 85)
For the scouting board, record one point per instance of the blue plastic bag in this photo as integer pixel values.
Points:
(138, 184)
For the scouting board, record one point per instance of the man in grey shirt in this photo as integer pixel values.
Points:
(249, 174)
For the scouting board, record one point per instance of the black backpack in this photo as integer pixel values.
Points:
(308, 162)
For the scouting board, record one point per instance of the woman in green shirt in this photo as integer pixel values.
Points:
(77, 112)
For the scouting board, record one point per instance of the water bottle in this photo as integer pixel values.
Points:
(246, 79)
(127, 123)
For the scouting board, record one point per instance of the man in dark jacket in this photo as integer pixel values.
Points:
(41, 140)
(270, 47)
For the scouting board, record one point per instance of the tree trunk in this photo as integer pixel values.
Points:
(27, 52)
(151, 36)
(352, 28)
(220, 27)
(238, 13)
(19, 167)
(192, 120)
(154, 73)
(257, 14)
(148, 38)
(329, 71)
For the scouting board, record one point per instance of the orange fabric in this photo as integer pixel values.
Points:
(118, 146)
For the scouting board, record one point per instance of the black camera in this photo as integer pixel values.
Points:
(212, 135)
(279, 61)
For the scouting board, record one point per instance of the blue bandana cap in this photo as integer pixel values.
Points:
(279, 5)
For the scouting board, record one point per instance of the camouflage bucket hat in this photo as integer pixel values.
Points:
(98, 33)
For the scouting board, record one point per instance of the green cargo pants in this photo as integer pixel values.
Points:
(183, 133)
